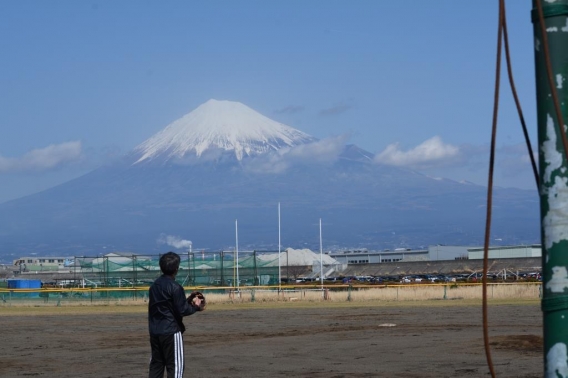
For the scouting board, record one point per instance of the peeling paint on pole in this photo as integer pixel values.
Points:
(557, 361)
(552, 157)
(555, 221)
(559, 280)
(554, 182)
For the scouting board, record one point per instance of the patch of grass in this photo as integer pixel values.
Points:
(392, 295)
(231, 306)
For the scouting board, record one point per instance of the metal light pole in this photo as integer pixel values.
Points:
(553, 175)
(321, 260)
(279, 246)
(287, 266)
(237, 251)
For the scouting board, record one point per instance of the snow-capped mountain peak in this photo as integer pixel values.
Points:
(224, 125)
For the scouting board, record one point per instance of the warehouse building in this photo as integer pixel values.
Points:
(509, 252)
(434, 253)
(40, 264)
(363, 256)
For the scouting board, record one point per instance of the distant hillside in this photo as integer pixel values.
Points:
(190, 182)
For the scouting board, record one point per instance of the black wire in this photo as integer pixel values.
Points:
(490, 188)
(517, 102)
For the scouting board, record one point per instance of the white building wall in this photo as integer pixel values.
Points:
(380, 257)
(506, 252)
(447, 252)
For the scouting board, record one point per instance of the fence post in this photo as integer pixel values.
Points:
(106, 268)
(255, 270)
(192, 267)
(222, 256)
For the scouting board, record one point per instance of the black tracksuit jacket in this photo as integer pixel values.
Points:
(167, 307)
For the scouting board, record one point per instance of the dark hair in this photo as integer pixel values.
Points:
(169, 263)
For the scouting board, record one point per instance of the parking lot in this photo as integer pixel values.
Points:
(533, 276)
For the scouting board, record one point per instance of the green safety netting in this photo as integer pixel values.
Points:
(220, 269)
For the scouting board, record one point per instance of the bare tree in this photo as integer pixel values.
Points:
(296, 271)
(5, 273)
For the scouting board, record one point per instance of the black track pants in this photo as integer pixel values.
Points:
(167, 353)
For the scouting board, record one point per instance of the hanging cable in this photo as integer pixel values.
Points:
(517, 102)
(503, 35)
(490, 189)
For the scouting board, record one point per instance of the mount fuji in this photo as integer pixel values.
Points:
(220, 126)
(224, 161)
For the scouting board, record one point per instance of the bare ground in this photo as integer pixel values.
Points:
(428, 339)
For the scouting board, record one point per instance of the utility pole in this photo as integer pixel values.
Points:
(553, 175)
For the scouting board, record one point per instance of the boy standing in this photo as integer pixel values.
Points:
(166, 309)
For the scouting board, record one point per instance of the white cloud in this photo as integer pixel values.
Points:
(432, 152)
(512, 166)
(43, 159)
(174, 241)
(323, 151)
(335, 109)
(290, 109)
(320, 152)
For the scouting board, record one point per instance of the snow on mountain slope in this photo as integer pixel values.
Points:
(225, 125)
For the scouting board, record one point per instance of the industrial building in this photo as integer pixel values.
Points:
(452, 252)
(434, 253)
(40, 264)
(363, 256)
(508, 252)
(125, 269)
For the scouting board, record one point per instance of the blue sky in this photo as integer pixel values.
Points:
(82, 82)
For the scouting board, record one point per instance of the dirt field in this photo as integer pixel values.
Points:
(332, 340)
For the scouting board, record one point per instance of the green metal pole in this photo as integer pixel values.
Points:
(193, 273)
(222, 256)
(554, 181)
(255, 281)
(106, 271)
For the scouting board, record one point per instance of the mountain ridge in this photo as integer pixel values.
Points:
(129, 205)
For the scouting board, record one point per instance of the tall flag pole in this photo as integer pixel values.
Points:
(279, 248)
(321, 260)
(237, 250)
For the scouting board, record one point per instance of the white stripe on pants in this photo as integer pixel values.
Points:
(179, 357)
